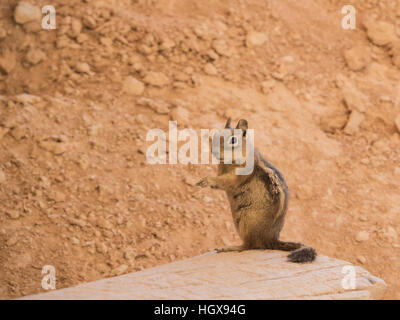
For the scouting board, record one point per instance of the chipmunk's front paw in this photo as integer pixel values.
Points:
(230, 249)
(202, 183)
(207, 182)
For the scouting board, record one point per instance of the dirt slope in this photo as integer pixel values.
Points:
(76, 189)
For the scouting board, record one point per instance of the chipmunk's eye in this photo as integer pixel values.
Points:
(233, 141)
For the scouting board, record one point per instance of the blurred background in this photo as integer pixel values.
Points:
(77, 101)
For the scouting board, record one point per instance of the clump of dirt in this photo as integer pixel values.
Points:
(77, 102)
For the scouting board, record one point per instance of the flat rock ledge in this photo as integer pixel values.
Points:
(257, 274)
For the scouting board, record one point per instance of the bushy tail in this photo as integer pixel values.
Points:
(300, 254)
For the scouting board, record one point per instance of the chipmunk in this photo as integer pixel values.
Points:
(258, 200)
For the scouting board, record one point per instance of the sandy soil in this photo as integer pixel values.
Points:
(76, 103)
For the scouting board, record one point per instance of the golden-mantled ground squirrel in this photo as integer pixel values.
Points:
(258, 200)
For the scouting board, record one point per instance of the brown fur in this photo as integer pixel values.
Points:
(258, 204)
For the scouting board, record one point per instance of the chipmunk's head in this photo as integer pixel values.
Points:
(229, 145)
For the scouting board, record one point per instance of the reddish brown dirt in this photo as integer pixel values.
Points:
(76, 189)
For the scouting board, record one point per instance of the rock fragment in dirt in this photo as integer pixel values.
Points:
(3, 32)
(357, 57)
(3, 132)
(353, 99)
(380, 33)
(32, 26)
(255, 38)
(104, 223)
(395, 54)
(57, 196)
(54, 145)
(18, 133)
(101, 247)
(361, 259)
(76, 28)
(362, 236)
(156, 79)
(267, 86)
(397, 123)
(8, 61)
(180, 114)
(157, 106)
(132, 86)
(354, 122)
(130, 254)
(190, 180)
(82, 67)
(26, 99)
(210, 69)
(35, 56)
(333, 122)
(77, 222)
(119, 270)
(390, 234)
(221, 47)
(25, 12)
(2, 177)
(89, 22)
(12, 241)
(13, 214)
(82, 38)
(167, 44)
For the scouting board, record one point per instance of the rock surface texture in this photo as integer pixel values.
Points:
(246, 275)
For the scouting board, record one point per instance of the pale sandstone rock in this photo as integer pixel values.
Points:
(210, 69)
(103, 223)
(13, 214)
(380, 33)
(26, 12)
(120, 269)
(355, 120)
(3, 32)
(397, 123)
(2, 176)
(32, 26)
(54, 145)
(76, 28)
(361, 259)
(354, 99)
(89, 22)
(362, 236)
(357, 58)
(333, 121)
(255, 38)
(395, 54)
(157, 106)
(35, 56)
(18, 133)
(133, 86)
(180, 114)
(257, 274)
(3, 132)
(82, 67)
(156, 79)
(8, 61)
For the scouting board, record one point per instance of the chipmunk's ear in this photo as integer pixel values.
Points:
(228, 123)
(242, 124)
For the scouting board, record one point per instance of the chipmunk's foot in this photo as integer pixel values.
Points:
(230, 249)
(202, 183)
(207, 182)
